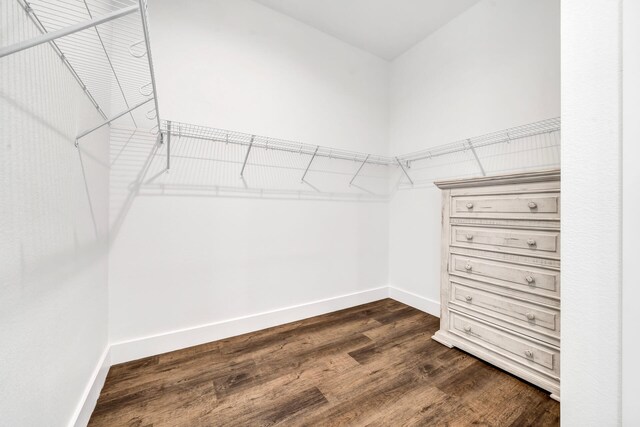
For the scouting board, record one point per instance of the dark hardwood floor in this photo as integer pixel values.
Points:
(373, 364)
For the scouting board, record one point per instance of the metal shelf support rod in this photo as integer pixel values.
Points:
(145, 27)
(359, 169)
(246, 157)
(47, 37)
(117, 116)
(404, 170)
(473, 150)
(309, 165)
(168, 145)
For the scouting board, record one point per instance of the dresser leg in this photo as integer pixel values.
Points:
(438, 336)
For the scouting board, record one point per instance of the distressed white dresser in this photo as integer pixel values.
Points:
(500, 290)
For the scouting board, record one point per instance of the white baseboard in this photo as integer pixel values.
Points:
(91, 393)
(175, 340)
(157, 344)
(416, 301)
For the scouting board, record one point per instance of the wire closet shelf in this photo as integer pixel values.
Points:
(186, 130)
(502, 136)
(105, 45)
(403, 162)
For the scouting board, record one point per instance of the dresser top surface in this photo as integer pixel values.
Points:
(512, 178)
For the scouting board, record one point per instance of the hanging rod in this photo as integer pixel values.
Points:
(47, 37)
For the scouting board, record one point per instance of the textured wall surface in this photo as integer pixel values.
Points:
(591, 212)
(239, 65)
(495, 66)
(53, 234)
(186, 253)
(630, 217)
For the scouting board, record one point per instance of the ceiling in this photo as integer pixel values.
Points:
(386, 28)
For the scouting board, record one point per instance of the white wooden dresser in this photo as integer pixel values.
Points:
(500, 290)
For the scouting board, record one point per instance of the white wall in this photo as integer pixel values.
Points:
(186, 255)
(53, 234)
(239, 65)
(182, 258)
(495, 66)
(591, 226)
(630, 374)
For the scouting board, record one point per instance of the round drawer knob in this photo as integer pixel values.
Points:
(532, 205)
(529, 279)
(529, 354)
(467, 328)
(531, 316)
(469, 205)
(468, 298)
(468, 267)
(469, 236)
(531, 242)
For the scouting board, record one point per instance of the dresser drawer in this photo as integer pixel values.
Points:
(521, 350)
(529, 206)
(522, 242)
(513, 311)
(523, 278)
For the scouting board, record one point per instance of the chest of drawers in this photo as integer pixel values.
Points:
(500, 281)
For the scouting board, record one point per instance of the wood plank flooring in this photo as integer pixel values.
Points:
(374, 364)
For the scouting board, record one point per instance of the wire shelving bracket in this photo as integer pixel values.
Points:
(74, 30)
(359, 169)
(404, 170)
(246, 157)
(309, 165)
(475, 155)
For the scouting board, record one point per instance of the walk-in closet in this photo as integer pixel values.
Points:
(319, 212)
